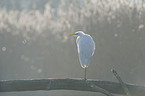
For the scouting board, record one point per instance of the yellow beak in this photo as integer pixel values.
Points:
(70, 34)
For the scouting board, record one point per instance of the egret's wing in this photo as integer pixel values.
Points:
(86, 47)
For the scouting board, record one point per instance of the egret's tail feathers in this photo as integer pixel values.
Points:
(84, 63)
(84, 66)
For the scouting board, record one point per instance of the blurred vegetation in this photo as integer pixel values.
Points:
(33, 43)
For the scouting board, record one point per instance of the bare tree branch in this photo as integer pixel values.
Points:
(121, 82)
(101, 90)
(68, 84)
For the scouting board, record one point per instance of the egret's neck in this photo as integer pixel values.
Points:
(81, 34)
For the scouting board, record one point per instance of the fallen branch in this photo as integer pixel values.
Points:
(101, 90)
(68, 84)
(121, 82)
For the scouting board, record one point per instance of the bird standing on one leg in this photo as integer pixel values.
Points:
(86, 48)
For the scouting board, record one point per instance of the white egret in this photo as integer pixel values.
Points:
(86, 48)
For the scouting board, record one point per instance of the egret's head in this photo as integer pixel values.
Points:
(79, 33)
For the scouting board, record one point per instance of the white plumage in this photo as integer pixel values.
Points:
(86, 48)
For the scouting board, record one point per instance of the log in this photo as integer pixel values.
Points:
(68, 84)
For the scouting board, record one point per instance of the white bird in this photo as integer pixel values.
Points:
(86, 48)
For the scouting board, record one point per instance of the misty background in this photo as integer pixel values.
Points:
(33, 41)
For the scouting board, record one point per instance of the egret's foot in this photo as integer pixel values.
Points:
(84, 79)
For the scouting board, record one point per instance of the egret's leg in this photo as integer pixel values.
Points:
(85, 73)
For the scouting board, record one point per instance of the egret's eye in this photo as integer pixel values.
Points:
(76, 33)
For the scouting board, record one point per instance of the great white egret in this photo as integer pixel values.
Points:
(86, 48)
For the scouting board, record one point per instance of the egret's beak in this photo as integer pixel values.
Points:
(71, 34)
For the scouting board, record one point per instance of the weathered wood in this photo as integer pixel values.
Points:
(67, 84)
(107, 93)
(121, 82)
